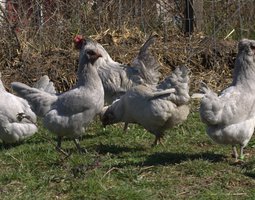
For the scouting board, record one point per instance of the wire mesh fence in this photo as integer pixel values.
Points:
(30, 28)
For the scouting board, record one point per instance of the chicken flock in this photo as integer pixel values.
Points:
(131, 94)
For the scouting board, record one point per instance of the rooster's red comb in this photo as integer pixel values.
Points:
(78, 41)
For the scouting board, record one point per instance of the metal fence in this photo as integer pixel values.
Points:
(217, 18)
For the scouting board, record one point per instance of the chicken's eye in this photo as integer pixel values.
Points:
(91, 53)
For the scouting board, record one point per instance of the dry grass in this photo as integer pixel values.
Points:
(28, 51)
(209, 61)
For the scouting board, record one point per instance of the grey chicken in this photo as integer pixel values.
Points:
(17, 120)
(67, 114)
(154, 108)
(117, 78)
(230, 117)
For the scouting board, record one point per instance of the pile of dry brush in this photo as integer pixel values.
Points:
(25, 59)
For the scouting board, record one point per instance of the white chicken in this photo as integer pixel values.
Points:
(153, 108)
(67, 114)
(230, 117)
(17, 120)
(117, 78)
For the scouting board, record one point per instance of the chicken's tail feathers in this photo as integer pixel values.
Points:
(45, 85)
(39, 100)
(197, 96)
(179, 79)
(182, 73)
(147, 64)
(163, 93)
(204, 89)
(148, 75)
(147, 44)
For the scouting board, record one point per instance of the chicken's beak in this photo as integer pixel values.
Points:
(98, 55)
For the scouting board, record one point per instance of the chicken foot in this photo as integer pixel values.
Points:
(241, 152)
(158, 140)
(78, 146)
(125, 127)
(235, 154)
(58, 147)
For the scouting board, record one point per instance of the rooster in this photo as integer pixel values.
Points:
(230, 117)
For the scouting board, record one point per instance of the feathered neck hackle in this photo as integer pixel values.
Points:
(1, 84)
(244, 72)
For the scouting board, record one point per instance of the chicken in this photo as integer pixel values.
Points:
(67, 114)
(154, 108)
(230, 117)
(17, 120)
(117, 78)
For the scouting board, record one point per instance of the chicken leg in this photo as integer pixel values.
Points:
(235, 154)
(78, 146)
(241, 152)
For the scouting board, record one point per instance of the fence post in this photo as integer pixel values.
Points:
(189, 17)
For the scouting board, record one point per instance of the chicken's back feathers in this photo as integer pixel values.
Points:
(40, 96)
(39, 100)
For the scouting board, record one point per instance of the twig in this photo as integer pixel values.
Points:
(145, 168)
(15, 158)
(182, 193)
(109, 171)
(238, 194)
(229, 34)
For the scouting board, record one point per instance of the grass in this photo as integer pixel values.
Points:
(124, 166)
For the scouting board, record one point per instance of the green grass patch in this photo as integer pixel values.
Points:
(124, 166)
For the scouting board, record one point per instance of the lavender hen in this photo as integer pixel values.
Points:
(154, 108)
(230, 116)
(67, 114)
